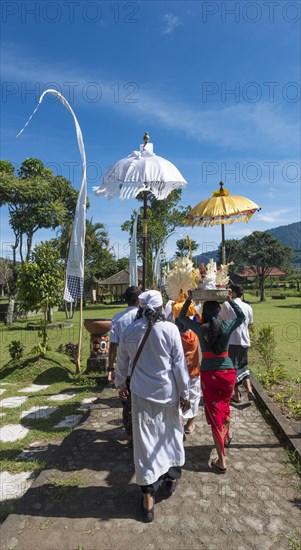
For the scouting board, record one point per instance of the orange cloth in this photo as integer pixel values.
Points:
(190, 343)
(177, 306)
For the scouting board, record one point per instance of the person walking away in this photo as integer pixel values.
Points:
(159, 383)
(218, 375)
(119, 322)
(239, 343)
(190, 343)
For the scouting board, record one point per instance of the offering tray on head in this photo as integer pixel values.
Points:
(211, 295)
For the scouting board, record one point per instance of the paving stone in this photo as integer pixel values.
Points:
(251, 507)
(12, 432)
(13, 402)
(38, 413)
(33, 388)
(61, 397)
(14, 485)
(69, 421)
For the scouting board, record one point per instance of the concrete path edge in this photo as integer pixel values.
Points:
(287, 430)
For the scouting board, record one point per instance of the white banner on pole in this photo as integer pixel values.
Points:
(76, 255)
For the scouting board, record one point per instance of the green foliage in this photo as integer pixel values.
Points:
(36, 199)
(40, 349)
(264, 343)
(183, 248)
(289, 235)
(272, 376)
(163, 218)
(233, 254)
(40, 284)
(6, 167)
(69, 349)
(295, 407)
(32, 167)
(16, 349)
(263, 252)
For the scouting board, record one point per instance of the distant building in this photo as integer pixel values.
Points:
(119, 282)
(250, 271)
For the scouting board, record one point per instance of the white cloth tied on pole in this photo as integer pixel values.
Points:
(141, 171)
(76, 254)
(133, 255)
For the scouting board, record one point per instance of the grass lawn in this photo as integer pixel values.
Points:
(285, 318)
(57, 336)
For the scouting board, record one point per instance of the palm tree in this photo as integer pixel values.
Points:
(183, 247)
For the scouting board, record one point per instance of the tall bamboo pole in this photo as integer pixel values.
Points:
(80, 334)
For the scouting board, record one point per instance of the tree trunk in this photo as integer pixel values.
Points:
(10, 310)
(262, 289)
(50, 314)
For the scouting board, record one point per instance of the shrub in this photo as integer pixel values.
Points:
(16, 349)
(69, 349)
(265, 345)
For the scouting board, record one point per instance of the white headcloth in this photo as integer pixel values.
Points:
(150, 299)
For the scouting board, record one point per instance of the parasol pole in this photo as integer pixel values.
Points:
(223, 245)
(146, 138)
(144, 237)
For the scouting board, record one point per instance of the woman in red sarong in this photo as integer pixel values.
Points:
(218, 375)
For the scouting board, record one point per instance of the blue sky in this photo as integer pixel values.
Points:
(216, 85)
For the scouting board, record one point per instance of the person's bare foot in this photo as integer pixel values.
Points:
(189, 426)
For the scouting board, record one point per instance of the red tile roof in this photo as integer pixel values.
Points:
(250, 271)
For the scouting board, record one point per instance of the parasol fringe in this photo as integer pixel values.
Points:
(131, 189)
(218, 221)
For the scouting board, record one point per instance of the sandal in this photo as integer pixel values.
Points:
(228, 440)
(251, 396)
(235, 399)
(217, 468)
(148, 514)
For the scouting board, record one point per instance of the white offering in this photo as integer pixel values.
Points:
(182, 277)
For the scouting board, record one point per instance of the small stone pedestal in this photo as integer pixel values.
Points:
(99, 344)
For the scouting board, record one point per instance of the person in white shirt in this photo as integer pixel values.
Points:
(159, 384)
(119, 322)
(240, 343)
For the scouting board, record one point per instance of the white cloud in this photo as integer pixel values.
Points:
(271, 127)
(275, 216)
(170, 22)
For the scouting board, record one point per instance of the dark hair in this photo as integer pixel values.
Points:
(152, 315)
(238, 289)
(180, 326)
(131, 295)
(212, 325)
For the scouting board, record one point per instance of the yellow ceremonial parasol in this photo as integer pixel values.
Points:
(220, 209)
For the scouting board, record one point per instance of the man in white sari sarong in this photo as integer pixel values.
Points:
(159, 384)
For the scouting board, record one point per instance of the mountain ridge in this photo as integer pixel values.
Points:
(288, 235)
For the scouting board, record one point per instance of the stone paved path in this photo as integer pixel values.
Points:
(89, 499)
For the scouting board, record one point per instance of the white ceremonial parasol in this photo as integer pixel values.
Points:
(141, 171)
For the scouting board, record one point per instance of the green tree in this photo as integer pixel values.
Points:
(36, 199)
(183, 248)
(163, 218)
(41, 282)
(99, 260)
(263, 252)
